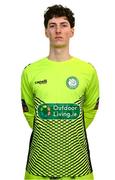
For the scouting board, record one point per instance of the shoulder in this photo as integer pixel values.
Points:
(85, 65)
(32, 66)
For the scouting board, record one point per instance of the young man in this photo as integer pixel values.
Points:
(60, 95)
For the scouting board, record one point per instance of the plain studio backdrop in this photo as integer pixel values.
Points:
(22, 41)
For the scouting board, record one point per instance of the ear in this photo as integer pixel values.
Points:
(46, 33)
(72, 32)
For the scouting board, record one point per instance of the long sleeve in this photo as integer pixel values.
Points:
(91, 98)
(27, 99)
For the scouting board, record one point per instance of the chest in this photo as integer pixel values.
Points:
(65, 85)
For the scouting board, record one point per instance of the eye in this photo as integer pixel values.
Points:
(64, 25)
(52, 26)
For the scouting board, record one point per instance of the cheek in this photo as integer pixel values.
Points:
(50, 34)
(68, 35)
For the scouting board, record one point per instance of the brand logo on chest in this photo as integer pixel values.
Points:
(41, 81)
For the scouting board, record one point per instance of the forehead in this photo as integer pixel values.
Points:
(58, 20)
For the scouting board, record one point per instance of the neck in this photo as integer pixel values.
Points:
(59, 54)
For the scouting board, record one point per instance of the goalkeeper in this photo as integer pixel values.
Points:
(60, 96)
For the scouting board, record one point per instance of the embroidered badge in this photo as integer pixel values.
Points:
(72, 82)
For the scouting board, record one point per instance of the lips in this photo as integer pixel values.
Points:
(58, 37)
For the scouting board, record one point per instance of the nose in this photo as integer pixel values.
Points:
(58, 29)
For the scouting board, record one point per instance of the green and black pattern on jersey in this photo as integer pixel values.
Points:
(59, 147)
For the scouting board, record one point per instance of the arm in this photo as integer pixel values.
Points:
(90, 106)
(27, 99)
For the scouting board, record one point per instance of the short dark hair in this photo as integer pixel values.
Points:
(59, 11)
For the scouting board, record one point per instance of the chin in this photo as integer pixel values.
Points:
(59, 45)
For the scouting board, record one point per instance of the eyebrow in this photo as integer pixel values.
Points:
(53, 23)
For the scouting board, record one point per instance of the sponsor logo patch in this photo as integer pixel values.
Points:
(58, 111)
(24, 106)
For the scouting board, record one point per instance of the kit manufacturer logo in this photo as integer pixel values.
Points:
(41, 81)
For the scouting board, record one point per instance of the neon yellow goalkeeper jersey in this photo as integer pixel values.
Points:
(59, 101)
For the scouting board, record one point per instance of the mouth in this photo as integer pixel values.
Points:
(58, 38)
